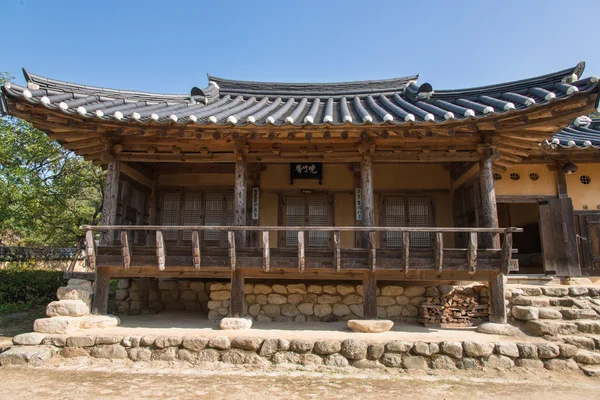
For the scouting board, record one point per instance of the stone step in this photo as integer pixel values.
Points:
(562, 327)
(553, 291)
(22, 355)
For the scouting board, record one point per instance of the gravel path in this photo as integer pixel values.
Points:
(106, 381)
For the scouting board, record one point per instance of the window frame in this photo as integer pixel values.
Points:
(405, 196)
(329, 196)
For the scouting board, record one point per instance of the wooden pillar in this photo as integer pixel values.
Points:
(109, 204)
(489, 212)
(489, 219)
(100, 301)
(561, 182)
(239, 219)
(368, 219)
(144, 288)
(152, 207)
(497, 301)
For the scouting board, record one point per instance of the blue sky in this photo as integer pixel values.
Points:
(170, 46)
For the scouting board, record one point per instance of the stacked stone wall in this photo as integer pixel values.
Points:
(286, 302)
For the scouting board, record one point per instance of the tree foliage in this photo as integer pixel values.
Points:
(46, 192)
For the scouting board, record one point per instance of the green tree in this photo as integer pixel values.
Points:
(46, 192)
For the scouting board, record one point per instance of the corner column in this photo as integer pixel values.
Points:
(368, 219)
(489, 219)
(239, 219)
(109, 217)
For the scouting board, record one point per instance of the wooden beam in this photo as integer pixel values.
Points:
(232, 255)
(152, 210)
(240, 190)
(372, 251)
(561, 182)
(405, 251)
(90, 244)
(507, 252)
(101, 287)
(337, 259)
(109, 204)
(125, 250)
(161, 252)
(439, 252)
(196, 255)
(472, 253)
(266, 251)
(136, 175)
(301, 258)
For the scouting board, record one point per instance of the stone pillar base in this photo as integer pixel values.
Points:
(235, 323)
(370, 325)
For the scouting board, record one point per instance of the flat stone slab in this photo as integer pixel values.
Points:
(56, 324)
(235, 323)
(21, 355)
(590, 370)
(29, 339)
(491, 328)
(370, 325)
(98, 321)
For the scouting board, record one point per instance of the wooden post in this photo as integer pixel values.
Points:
(497, 302)
(196, 250)
(472, 253)
(561, 182)
(109, 204)
(337, 259)
(368, 219)
(439, 252)
(239, 219)
(489, 212)
(237, 294)
(405, 251)
(232, 254)
(301, 260)
(489, 219)
(506, 252)
(152, 206)
(161, 251)
(100, 301)
(125, 250)
(369, 296)
(266, 251)
(90, 245)
(144, 292)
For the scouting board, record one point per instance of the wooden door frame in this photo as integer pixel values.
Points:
(282, 195)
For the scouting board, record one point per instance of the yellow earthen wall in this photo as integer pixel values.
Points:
(544, 186)
(585, 195)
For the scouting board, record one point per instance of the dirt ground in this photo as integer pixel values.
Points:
(108, 380)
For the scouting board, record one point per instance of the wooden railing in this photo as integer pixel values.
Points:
(437, 252)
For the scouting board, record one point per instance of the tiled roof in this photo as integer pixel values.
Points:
(583, 133)
(238, 103)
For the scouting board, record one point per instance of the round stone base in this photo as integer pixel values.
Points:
(370, 325)
(235, 323)
(497, 329)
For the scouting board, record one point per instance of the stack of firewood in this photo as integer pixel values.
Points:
(453, 310)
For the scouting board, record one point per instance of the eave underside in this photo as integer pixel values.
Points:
(515, 135)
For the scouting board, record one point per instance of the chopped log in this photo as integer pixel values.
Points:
(161, 252)
(231, 240)
(196, 250)
(125, 250)
(472, 253)
(266, 251)
(301, 258)
(439, 252)
(90, 245)
(506, 252)
(337, 259)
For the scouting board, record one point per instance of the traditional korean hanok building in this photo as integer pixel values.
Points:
(381, 180)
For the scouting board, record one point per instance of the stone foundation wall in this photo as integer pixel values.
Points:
(283, 302)
(449, 355)
(164, 294)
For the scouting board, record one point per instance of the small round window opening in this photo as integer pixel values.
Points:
(514, 176)
(585, 179)
(533, 176)
(497, 176)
